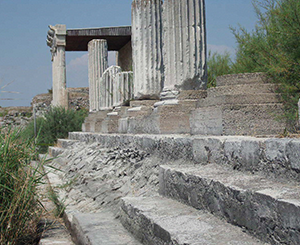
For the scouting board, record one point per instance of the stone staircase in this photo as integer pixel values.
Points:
(213, 190)
(242, 104)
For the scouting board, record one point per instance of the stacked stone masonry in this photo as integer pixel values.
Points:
(227, 183)
(243, 104)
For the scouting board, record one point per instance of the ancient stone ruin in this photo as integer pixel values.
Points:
(97, 42)
(162, 159)
(166, 91)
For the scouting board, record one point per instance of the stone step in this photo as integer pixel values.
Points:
(266, 208)
(55, 233)
(158, 220)
(55, 151)
(66, 143)
(100, 229)
(256, 88)
(241, 99)
(239, 119)
(242, 78)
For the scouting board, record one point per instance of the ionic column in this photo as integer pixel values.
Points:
(147, 48)
(98, 63)
(184, 46)
(56, 39)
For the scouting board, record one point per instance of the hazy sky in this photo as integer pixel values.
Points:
(25, 59)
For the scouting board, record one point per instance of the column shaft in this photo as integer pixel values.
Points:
(98, 63)
(57, 42)
(147, 48)
(59, 90)
(184, 45)
(107, 87)
(123, 87)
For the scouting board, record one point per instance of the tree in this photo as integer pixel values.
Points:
(274, 47)
(217, 65)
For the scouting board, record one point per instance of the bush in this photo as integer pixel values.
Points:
(20, 209)
(274, 47)
(217, 65)
(55, 124)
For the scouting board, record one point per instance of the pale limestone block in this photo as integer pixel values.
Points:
(98, 63)
(147, 48)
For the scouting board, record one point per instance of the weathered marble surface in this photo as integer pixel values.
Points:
(184, 46)
(147, 48)
(98, 63)
(58, 45)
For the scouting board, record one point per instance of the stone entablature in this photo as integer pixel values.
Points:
(60, 40)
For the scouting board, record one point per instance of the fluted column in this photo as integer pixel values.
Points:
(147, 48)
(98, 63)
(184, 46)
(56, 40)
(107, 87)
(123, 87)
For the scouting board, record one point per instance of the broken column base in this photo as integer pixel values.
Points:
(93, 121)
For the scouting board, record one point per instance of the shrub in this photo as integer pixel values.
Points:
(55, 124)
(217, 65)
(274, 47)
(20, 209)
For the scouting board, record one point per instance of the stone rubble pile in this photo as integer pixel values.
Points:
(97, 177)
(15, 116)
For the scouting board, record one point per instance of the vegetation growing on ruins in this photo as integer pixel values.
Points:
(20, 209)
(272, 47)
(55, 124)
(218, 65)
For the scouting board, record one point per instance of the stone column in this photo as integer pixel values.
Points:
(107, 86)
(57, 41)
(98, 63)
(184, 46)
(147, 48)
(123, 87)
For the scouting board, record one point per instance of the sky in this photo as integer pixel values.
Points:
(25, 59)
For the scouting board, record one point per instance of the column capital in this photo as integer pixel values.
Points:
(56, 37)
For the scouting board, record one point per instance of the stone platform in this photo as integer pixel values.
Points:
(242, 104)
(213, 189)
